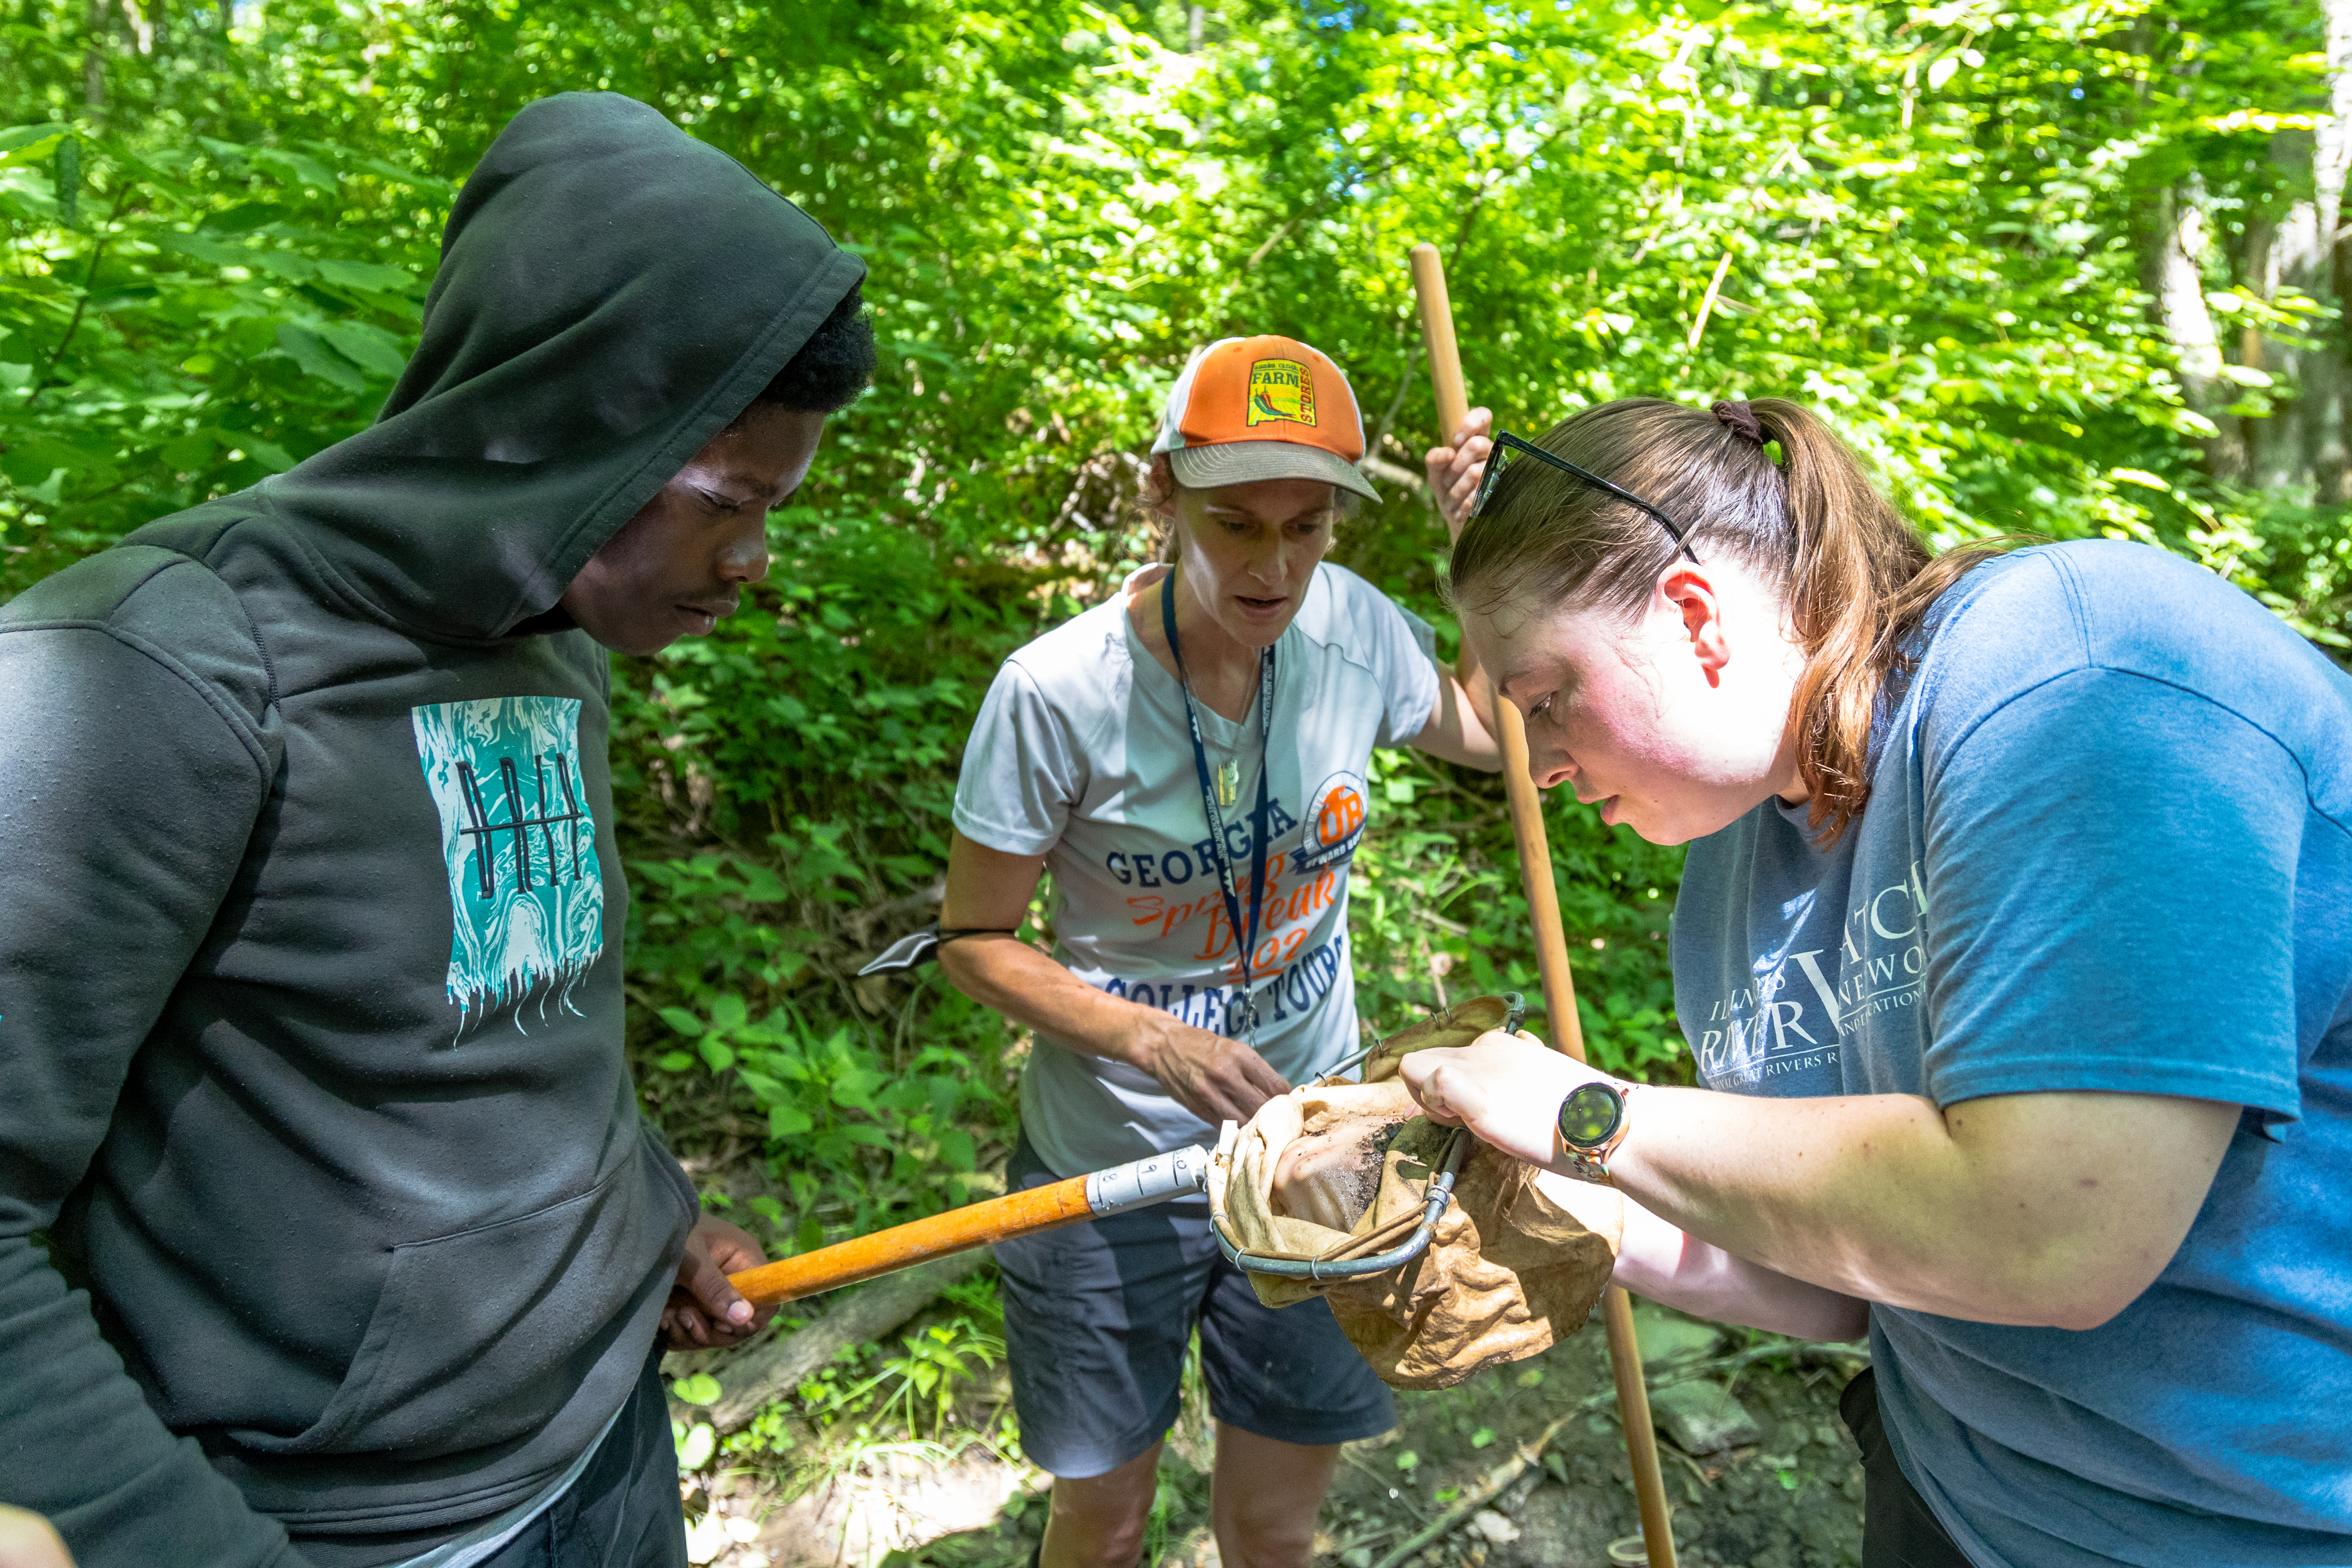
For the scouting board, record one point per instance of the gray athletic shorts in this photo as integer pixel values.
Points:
(1097, 1319)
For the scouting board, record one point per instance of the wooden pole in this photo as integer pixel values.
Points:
(1551, 941)
(902, 1245)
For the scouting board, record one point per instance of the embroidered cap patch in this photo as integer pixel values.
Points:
(1281, 389)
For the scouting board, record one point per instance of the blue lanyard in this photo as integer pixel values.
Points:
(1246, 936)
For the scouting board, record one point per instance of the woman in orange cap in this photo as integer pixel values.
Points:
(1188, 758)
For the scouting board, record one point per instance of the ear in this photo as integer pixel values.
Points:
(1159, 489)
(1690, 595)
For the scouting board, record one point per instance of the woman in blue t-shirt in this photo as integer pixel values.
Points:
(2015, 948)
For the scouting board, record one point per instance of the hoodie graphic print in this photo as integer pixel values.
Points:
(526, 898)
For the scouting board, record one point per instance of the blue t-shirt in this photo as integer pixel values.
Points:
(2108, 846)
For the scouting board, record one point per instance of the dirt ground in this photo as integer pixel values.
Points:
(1784, 1492)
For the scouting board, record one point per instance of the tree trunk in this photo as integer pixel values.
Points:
(2331, 151)
(93, 58)
(2174, 240)
(2171, 236)
(2301, 451)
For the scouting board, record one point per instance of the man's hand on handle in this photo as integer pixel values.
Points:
(1454, 472)
(704, 1310)
(1215, 1078)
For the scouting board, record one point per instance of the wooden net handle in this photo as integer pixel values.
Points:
(904, 1245)
(1551, 938)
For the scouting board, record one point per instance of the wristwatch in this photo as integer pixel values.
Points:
(1591, 1125)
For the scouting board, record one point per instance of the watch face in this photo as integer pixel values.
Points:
(1589, 1115)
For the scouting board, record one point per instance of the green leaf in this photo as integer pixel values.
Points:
(957, 1149)
(694, 1449)
(674, 1061)
(268, 454)
(728, 1012)
(684, 1022)
(292, 266)
(368, 275)
(35, 456)
(190, 451)
(399, 175)
(310, 352)
(294, 167)
(31, 143)
(855, 1088)
(369, 347)
(717, 1054)
(696, 1388)
(787, 1121)
(204, 248)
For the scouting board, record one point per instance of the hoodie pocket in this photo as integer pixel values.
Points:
(483, 1335)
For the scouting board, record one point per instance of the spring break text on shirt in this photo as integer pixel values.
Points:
(1767, 1029)
(1288, 917)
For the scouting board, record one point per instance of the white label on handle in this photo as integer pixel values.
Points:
(1143, 1182)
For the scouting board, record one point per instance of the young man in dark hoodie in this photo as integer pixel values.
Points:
(311, 1010)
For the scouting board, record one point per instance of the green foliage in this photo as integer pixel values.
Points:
(1925, 220)
(191, 303)
(934, 1394)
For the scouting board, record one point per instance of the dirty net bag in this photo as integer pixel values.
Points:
(1340, 1171)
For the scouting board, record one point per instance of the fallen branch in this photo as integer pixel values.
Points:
(1487, 1490)
(1706, 306)
(1498, 1479)
(1395, 474)
(771, 1367)
(861, 923)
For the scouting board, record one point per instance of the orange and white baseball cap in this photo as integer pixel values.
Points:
(1263, 408)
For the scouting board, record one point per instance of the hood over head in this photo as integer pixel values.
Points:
(612, 294)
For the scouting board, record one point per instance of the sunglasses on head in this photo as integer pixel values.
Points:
(1506, 443)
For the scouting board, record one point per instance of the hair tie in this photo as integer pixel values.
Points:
(1740, 420)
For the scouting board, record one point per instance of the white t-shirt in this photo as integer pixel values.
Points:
(1081, 754)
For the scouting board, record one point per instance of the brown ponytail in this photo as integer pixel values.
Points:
(1856, 580)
